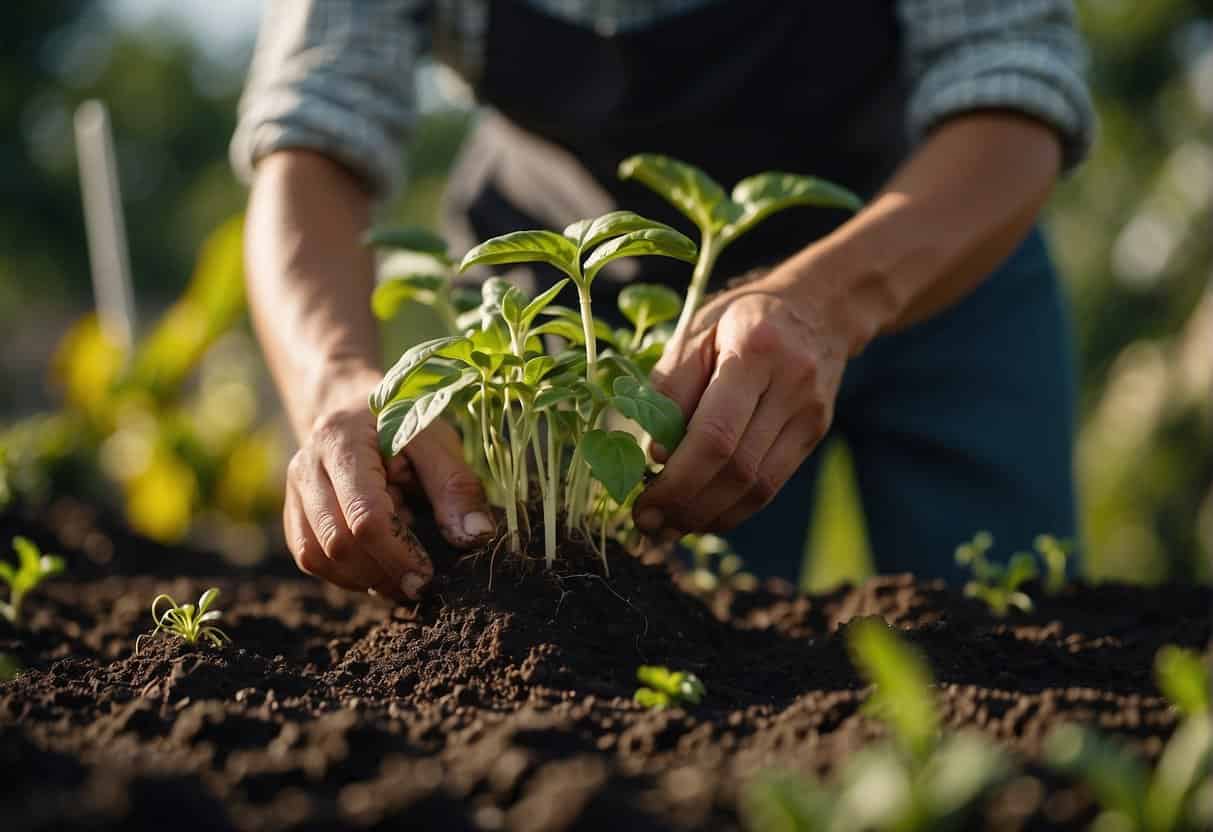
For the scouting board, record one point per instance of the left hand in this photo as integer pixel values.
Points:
(757, 379)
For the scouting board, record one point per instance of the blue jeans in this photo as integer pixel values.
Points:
(960, 423)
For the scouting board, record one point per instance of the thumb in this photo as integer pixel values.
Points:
(453, 489)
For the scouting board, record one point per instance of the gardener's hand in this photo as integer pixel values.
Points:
(344, 515)
(757, 379)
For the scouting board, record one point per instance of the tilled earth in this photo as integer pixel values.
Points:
(510, 707)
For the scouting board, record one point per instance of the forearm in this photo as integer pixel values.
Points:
(954, 211)
(309, 282)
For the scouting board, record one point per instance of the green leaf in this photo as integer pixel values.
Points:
(7, 573)
(207, 598)
(388, 423)
(766, 193)
(658, 415)
(654, 699)
(536, 368)
(646, 305)
(589, 233)
(427, 408)
(525, 247)
(686, 187)
(1183, 677)
(391, 294)
(409, 363)
(1020, 569)
(678, 684)
(28, 553)
(409, 238)
(540, 303)
(663, 241)
(1185, 761)
(620, 365)
(903, 697)
(561, 328)
(552, 396)
(615, 460)
(511, 307)
(1117, 778)
(965, 766)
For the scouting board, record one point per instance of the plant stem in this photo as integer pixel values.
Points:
(549, 498)
(587, 326)
(709, 250)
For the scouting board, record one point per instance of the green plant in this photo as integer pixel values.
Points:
(419, 270)
(189, 622)
(32, 568)
(922, 780)
(997, 586)
(519, 407)
(663, 688)
(716, 565)
(1055, 554)
(1175, 795)
(722, 218)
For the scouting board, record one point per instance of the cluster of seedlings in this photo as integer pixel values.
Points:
(534, 419)
(999, 586)
(926, 778)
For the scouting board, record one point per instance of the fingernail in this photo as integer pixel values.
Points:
(412, 584)
(478, 524)
(649, 520)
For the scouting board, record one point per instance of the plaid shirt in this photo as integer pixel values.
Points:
(337, 76)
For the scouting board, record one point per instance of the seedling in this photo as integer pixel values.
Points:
(528, 408)
(922, 780)
(1054, 554)
(420, 271)
(722, 218)
(1175, 795)
(716, 565)
(32, 568)
(189, 622)
(996, 585)
(664, 688)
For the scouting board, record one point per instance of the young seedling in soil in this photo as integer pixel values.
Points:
(997, 586)
(189, 622)
(716, 565)
(722, 218)
(1055, 554)
(32, 568)
(664, 688)
(922, 780)
(1178, 793)
(524, 408)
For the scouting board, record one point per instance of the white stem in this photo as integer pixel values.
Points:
(587, 327)
(709, 250)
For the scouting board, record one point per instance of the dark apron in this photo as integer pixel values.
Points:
(737, 88)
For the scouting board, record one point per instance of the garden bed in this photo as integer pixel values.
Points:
(511, 708)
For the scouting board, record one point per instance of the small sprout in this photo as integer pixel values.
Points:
(187, 621)
(1183, 677)
(902, 697)
(32, 568)
(1054, 553)
(997, 586)
(665, 687)
(717, 566)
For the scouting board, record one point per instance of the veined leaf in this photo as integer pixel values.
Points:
(391, 294)
(589, 233)
(427, 408)
(409, 363)
(536, 368)
(766, 193)
(388, 423)
(408, 237)
(525, 247)
(686, 187)
(620, 365)
(540, 303)
(658, 415)
(646, 305)
(615, 460)
(664, 241)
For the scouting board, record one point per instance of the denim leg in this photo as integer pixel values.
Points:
(966, 422)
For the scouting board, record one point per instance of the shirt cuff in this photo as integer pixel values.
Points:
(1024, 77)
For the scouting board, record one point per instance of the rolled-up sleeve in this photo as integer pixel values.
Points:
(1022, 55)
(336, 77)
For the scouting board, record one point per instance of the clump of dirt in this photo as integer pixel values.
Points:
(510, 707)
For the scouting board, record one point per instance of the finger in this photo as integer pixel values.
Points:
(400, 472)
(684, 371)
(452, 487)
(717, 426)
(796, 441)
(400, 504)
(741, 473)
(359, 483)
(309, 555)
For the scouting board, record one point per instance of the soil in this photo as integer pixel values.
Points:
(511, 708)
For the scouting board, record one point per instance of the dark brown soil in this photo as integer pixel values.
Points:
(511, 708)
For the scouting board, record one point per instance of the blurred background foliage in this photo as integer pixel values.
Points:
(202, 440)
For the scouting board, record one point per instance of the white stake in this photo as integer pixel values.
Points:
(109, 255)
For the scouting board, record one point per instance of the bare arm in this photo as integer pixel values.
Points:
(760, 373)
(309, 284)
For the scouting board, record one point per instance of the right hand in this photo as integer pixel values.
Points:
(344, 516)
